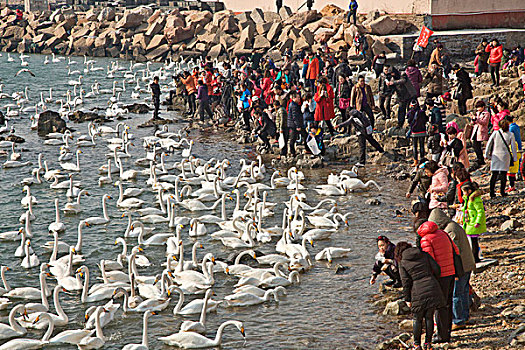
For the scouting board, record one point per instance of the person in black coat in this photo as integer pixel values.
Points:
(385, 263)
(295, 122)
(464, 88)
(265, 127)
(155, 95)
(342, 97)
(421, 290)
(342, 68)
(417, 120)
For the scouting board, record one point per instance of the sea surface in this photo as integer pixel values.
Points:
(325, 311)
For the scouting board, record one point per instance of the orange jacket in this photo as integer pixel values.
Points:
(313, 69)
(496, 53)
(189, 83)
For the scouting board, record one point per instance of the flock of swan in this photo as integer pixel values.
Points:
(192, 197)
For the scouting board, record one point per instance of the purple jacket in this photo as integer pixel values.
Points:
(415, 77)
(202, 93)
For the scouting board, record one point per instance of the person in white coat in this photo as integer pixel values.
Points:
(500, 148)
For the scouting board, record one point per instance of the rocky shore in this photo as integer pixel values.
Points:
(143, 34)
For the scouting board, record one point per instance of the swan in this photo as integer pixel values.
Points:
(144, 345)
(196, 279)
(156, 305)
(356, 184)
(74, 208)
(102, 180)
(4, 303)
(276, 281)
(156, 239)
(193, 340)
(14, 329)
(128, 202)
(60, 319)
(128, 174)
(324, 221)
(248, 299)
(27, 343)
(49, 174)
(197, 228)
(108, 314)
(105, 292)
(98, 340)
(317, 234)
(97, 220)
(11, 235)
(30, 260)
(72, 166)
(330, 190)
(6, 288)
(196, 306)
(200, 326)
(57, 226)
(111, 265)
(28, 197)
(332, 252)
(56, 185)
(30, 293)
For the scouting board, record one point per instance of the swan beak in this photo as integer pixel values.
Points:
(242, 332)
(213, 259)
(153, 313)
(312, 242)
(108, 197)
(123, 215)
(131, 228)
(181, 226)
(227, 270)
(7, 268)
(116, 242)
(87, 224)
(330, 261)
(254, 256)
(201, 246)
(20, 230)
(74, 250)
(48, 274)
(86, 317)
(346, 222)
(140, 249)
(169, 293)
(36, 319)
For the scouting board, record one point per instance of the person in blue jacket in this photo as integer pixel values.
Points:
(352, 7)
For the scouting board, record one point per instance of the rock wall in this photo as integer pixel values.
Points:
(144, 34)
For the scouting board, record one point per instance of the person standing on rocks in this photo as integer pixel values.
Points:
(405, 93)
(474, 221)
(421, 290)
(364, 133)
(386, 91)
(495, 51)
(312, 72)
(501, 149)
(502, 110)
(378, 63)
(245, 100)
(204, 100)
(155, 94)
(189, 82)
(342, 96)
(480, 133)
(362, 99)
(414, 74)
(515, 169)
(385, 263)
(439, 185)
(438, 244)
(281, 127)
(435, 56)
(482, 57)
(464, 88)
(352, 13)
(295, 122)
(417, 120)
(434, 79)
(324, 99)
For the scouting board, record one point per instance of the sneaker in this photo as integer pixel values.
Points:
(360, 165)
(510, 189)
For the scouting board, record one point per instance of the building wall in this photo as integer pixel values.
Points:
(440, 7)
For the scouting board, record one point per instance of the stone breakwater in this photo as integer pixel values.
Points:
(144, 34)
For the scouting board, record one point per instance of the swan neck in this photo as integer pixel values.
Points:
(86, 285)
(104, 207)
(78, 247)
(49, 332)
(145, 329)
(4, 280)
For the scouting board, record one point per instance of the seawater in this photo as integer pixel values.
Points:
(325, 311)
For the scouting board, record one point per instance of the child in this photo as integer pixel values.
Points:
(514, 169)
(453, 147)
(385, 263)
(316, 133)
(435, 142)
(308, 109)
(473, 216)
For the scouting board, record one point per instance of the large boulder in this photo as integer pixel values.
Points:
(107, 14)
(195, 18)
(274, 32)
(378, 46)
(285, 12)
(155, 27)
(50, 121)
(331, 10)
(384, 25)
(301, 19)
(159, 52)
(257, 16)
(130, 20)
(270, 16)
(156, 41)
(228, 24)
(260, 42)
(177, 34)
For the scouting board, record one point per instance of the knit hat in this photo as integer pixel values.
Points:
(446, 96)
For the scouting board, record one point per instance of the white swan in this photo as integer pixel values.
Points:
(200, 326)
(74, 208)
(57, 226)
(192, 340)
(97, 220)
(27, 343)
(14, 329)
(324, 221)
(60, 319)
(98, 340)
(72, 166)
(196, 306)
(30, 260)
(330, 253)
(248, 299)
(144, 345)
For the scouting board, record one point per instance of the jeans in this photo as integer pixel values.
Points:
(401, 113)
(384, 105)
(362, 138)
(353, 15)
(156, 104)
(478, 149)
(462, 106)
(294, 133)
(498, 175)
(247, 119)
(494, 73)
(367, 110)
(417, 326)
(191, 103)
(460, 300)
(204, 106)
(444, 314)
(418, 142)
(474, 243)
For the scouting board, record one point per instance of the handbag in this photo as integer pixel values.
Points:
(458, 263)
(511, 161)
(344, 103)
(282, 141)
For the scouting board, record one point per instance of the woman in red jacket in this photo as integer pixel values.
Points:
(438, 244)
(496, 54)
(324, 99)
